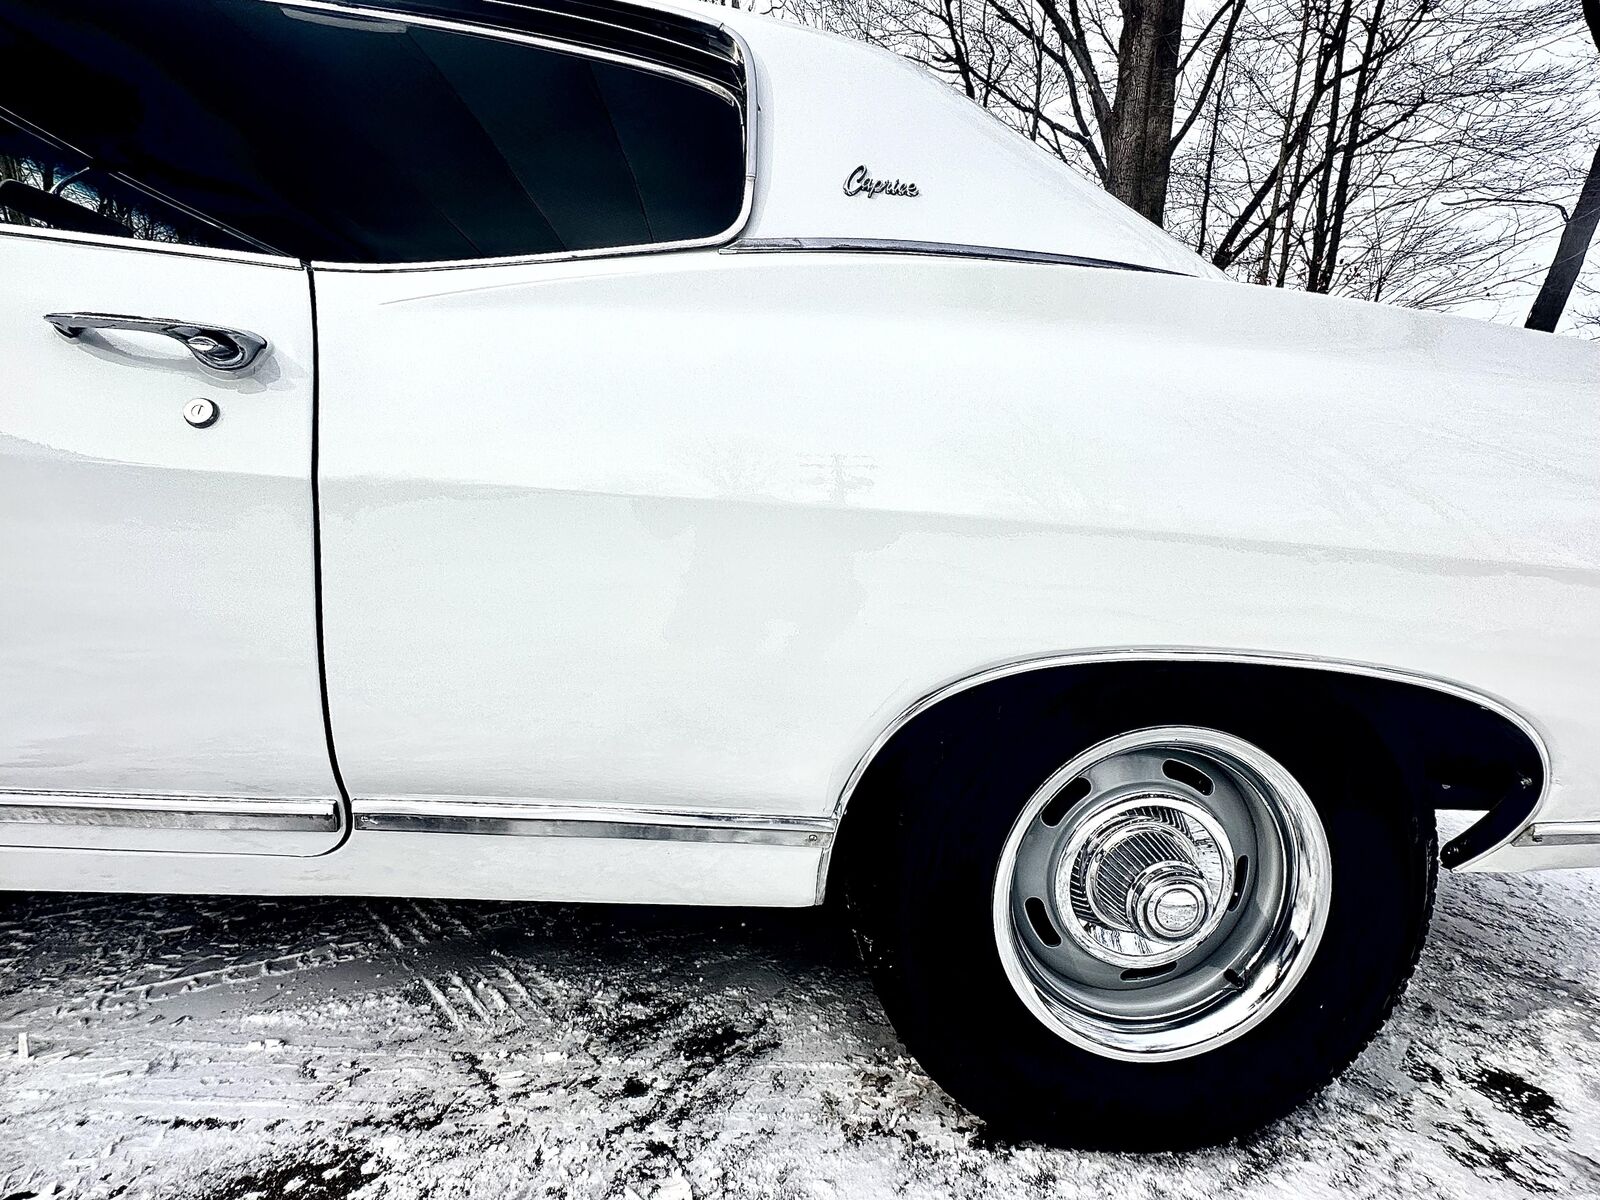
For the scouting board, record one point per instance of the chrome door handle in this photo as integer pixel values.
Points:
(223, 349)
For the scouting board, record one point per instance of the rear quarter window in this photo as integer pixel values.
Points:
(376, 139)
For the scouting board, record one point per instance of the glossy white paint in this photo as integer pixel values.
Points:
(158, 602)
(461, 866)
(684, 534)
(692, 530)
(827, 106)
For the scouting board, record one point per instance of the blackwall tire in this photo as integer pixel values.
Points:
(1040, 1053)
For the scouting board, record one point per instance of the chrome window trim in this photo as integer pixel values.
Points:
(542, 818)
(177, 249)
(378, 12)
(749, 110)
(265, 251)
(147, 810)
(1184, 654)
(845, 245)
(561, 256)
(600, 23)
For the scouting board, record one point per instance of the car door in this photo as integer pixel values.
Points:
(500, 656)
(159, 677)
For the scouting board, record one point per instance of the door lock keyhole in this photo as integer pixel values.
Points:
(201, 413)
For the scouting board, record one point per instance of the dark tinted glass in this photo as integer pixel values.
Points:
(45, 186)
(356, 140)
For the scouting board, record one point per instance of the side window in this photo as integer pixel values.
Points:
(46, 187)
(348, 138)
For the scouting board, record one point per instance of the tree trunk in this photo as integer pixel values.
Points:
(1317, 276)
(1575, 239)
(1341, 192)
(1284, 144)
(1211, 162)
(1139, 148)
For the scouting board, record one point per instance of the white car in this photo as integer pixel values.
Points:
(592, 451)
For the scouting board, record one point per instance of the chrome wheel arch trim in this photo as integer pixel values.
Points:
(1195, 654)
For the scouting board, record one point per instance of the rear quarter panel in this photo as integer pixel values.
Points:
(692, 529)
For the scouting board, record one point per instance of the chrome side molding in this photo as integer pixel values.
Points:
(537, 818)
(144, 810)
(1560, 833)
(102, 820)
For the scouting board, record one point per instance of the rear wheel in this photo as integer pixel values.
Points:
(1162, 929)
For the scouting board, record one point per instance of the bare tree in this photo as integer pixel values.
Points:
(1118, 85)
(1392, 149)
(1578, 232)
(1403, 150)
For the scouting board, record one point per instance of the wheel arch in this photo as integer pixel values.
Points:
(1459, 747)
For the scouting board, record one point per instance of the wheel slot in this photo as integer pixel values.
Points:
(1053, 812)
(1039, 918)
(1241, 876)
(1189, 776)
(1136, 974)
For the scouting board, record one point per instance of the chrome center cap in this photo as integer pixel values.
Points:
(1172, 911)
(1144, 880)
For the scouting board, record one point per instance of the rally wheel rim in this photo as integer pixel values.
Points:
(1162, 893)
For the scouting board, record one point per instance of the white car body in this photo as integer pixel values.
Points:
(603, 576)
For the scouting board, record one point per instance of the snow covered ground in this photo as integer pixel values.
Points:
(226, 1048)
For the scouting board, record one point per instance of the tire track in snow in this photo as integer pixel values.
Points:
(400, 1049)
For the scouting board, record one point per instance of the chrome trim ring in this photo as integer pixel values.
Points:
(1162, 893)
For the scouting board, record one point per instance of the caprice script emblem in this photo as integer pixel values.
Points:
(861, 183)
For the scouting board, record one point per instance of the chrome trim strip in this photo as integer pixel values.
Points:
(537, 818)
(176, 249)
(486, 29)
(143, 810)
(1196, 654)
(644, 9)
(821, 245)
(1560, 833)
(749, 109)
(160, 197)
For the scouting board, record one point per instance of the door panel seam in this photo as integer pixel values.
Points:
(345, 823)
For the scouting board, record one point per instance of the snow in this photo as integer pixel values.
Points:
(233, 1048)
